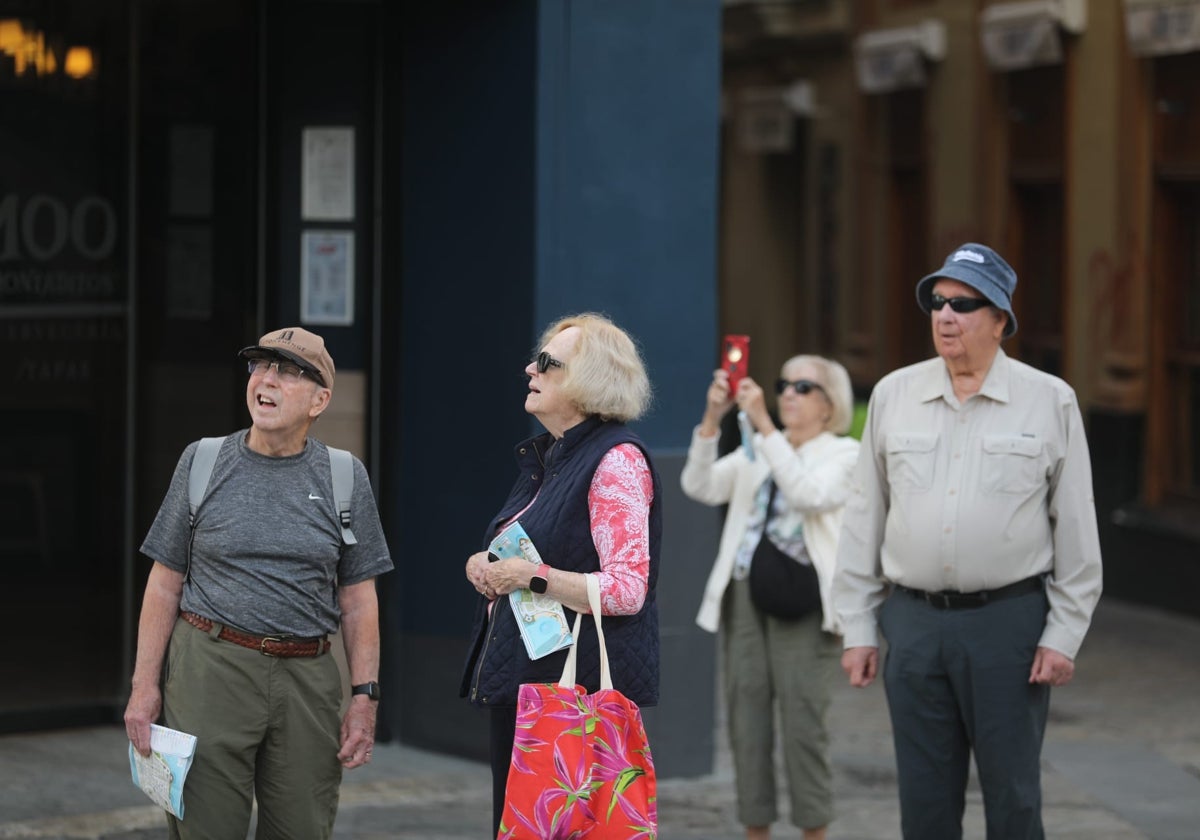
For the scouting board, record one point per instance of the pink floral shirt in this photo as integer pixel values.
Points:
(619, 504)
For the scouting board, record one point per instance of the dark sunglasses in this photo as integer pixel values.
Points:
(961, 305)
(545, 361)
(800, 386)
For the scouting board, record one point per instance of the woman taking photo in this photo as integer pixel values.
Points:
(787, 487)
(588, 496)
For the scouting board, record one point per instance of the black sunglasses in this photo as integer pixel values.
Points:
(800, 386)
(545, 361)
(961, 305)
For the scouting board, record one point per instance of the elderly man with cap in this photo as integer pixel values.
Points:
(970, 542)
(232, 640)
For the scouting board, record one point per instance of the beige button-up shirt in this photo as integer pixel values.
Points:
(971, 496)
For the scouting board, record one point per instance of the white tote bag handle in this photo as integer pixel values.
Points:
(568, 675)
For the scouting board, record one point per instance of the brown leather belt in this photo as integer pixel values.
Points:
(285, 646)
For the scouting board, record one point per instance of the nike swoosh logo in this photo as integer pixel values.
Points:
(313, 496)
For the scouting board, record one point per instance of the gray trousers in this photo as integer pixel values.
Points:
(265, 728)
(769, 662)
(957, 681)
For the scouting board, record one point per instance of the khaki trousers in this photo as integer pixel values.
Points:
(265, 727)
(788, 665)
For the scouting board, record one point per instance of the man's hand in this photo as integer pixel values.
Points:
(145, 704)
(1051, 668)
(358, 732)
(860, 665)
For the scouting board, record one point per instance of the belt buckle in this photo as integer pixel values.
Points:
(939, 600)
(262, 645)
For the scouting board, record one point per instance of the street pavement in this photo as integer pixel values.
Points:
(1121, 762)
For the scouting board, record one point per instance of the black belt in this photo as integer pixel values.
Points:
(948, 600)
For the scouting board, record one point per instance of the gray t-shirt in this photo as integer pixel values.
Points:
(267, 555)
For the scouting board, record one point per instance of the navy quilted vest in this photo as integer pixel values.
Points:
(559, 525)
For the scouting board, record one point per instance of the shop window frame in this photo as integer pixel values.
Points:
(1172, 472)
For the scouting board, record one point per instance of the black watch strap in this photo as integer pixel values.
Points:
(371, 689)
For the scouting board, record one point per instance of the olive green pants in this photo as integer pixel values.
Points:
(789, 664)
(265, 727)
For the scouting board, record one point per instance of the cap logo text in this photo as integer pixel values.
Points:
(972, 256)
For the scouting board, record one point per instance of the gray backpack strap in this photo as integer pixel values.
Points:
(341, 465)
(201, 472)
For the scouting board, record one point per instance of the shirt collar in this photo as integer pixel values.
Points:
(935, 382)
(995, 384)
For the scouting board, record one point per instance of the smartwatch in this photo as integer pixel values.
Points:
(371, 689)
(538, 582)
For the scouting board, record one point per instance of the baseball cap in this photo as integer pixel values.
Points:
(297, 345)
(983, 270)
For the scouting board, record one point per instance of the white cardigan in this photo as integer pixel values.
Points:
(814, 479)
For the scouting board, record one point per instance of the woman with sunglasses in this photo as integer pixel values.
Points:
(788, 486)
(588, 496)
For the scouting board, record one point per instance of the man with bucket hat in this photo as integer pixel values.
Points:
(232, 640)
(970, 543)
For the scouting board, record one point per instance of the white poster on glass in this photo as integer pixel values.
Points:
(327, 277)
(327, 174)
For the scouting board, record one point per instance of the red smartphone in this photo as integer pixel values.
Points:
(735, 359)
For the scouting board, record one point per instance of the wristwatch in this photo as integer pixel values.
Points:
(538, 582)
(371, 689)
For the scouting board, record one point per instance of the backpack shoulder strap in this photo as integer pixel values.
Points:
(200, 472)
(341, 465)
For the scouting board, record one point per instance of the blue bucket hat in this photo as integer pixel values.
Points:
(983, 270)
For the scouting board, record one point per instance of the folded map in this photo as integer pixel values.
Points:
(162, 773)
(541, 619)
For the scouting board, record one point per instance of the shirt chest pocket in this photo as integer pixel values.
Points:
(911, 460)
(1011, 465)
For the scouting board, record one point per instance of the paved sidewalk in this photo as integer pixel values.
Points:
(1122, 762)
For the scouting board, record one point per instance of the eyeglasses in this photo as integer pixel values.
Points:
(545, 361)
(961, 305)
(800, 386)
(287, 371)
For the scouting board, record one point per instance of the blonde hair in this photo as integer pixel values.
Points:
(836, 381)
(605, 376)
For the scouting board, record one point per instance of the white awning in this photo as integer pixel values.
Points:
(1162, 27)
(892, 59)
(1029, 33)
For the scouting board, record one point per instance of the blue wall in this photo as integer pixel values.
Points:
(628, 112)
(555, 157)
(628, 99)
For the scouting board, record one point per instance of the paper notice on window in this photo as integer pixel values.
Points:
(327, 174)
(327, 277)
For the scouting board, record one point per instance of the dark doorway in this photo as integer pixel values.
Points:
(64, 331)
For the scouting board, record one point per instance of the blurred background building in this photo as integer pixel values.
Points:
(861, 142)
(427, 187)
